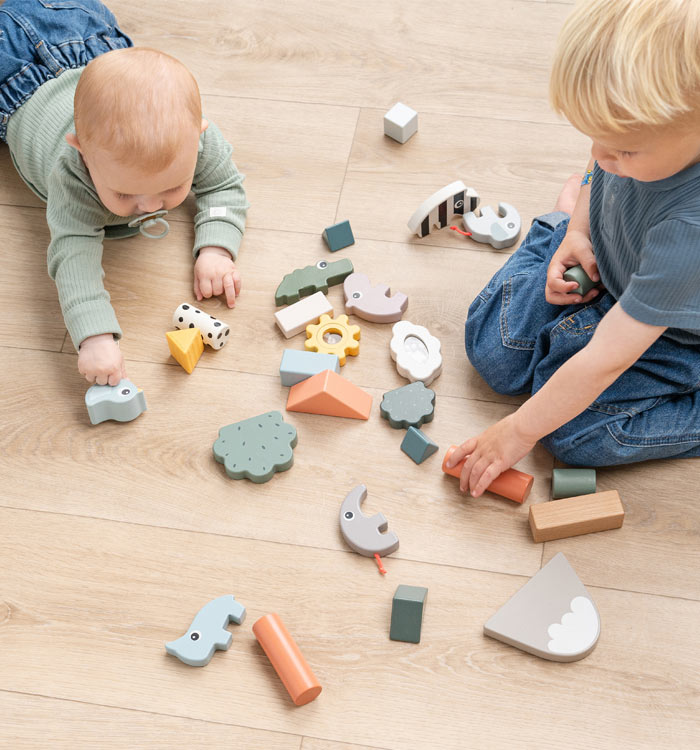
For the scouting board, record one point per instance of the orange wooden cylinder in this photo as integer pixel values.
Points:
(285, 657)
(513, 484)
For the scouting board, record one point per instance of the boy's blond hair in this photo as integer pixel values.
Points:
(621, 64)
(137, 104)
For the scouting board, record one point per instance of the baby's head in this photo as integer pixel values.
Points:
(138, 118)
(627, 74)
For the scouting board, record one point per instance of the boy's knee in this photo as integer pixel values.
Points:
(590, 445)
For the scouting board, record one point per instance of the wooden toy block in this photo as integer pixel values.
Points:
(552, 616)
(256, 448)
(207, 633)
(441, 207)
(338, 236)
(367, 535)
(297, 366)
(499, 230)
(372, 303)
(214, 331)
(400, 122)
(122, 402)
(286, 658)
(409, 406)
(407, 613)
(573, 482)
(416, 352)
(294, 319)
(573, 516)
(418, 445)
(348, 343)
(310, 279)
(330, 394)
(577, 274)
(186, 346)
(513, 484)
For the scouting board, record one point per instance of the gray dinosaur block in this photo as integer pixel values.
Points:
(409, 406)
(499, 231)
(310, 279)
(407, 608)
(207, 633)
(552, 616)
(577, 274)
(367, 535)
(122, 402)
(256, 448)
(418, 445)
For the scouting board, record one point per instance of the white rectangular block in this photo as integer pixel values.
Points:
(299, 365)
(400, 122)
(294, 318)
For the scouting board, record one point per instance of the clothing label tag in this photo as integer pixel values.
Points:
(217, 211)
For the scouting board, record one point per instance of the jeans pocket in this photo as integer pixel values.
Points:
(668, 422)
(517, 331)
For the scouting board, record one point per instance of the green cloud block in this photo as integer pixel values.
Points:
(408, 406)
(256, 448)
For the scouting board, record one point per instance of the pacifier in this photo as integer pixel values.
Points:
(147, 221)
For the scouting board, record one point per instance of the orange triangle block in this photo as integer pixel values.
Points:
(186, 346)
(331, 394)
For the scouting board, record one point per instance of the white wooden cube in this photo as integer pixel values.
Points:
(294, 319)
(400, 122)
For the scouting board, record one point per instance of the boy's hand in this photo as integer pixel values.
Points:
(215, 273)
(100, 360)
(490, 454)
(575, 249)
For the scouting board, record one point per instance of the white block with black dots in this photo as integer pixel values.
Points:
(214, 331)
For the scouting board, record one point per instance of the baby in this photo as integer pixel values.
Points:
(107, 135)
(615, 374)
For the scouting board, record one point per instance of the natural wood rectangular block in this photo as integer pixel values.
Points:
(573, 516)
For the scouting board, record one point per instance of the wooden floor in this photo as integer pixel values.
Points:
(112, 537)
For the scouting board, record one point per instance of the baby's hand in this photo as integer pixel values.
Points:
(490, 454)
(100, 360)
(215, 273)
(575, 249)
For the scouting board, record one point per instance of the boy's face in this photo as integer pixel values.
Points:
(647, 154)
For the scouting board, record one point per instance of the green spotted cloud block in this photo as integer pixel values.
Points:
(256, 448)
(408, 406)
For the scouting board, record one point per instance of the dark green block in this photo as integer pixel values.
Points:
(577, 274)
(572, 482)
(407, 613)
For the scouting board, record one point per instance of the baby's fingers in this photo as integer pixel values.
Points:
(461, 452)
(197, 292)
(483, 482)
(230, 289)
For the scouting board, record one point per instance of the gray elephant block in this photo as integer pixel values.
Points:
(418, 445)
(409, 406)
(577, 274)
(122, 402)
(256, 448)
(367, 535)
(207, 633)
(407, 609)
(310, 279)
(499, 230)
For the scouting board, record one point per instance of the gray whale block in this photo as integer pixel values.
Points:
(499, 231)
(207, 633)
(122, 402)
(365, 534)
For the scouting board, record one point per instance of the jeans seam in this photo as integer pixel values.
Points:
(652, 442)
(506, 339)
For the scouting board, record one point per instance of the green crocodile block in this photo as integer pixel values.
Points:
(418, 445)
(408, 406)
(256, 448)
(407, 613)
(312, 279)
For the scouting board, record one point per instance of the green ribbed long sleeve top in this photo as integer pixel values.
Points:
(55, 172)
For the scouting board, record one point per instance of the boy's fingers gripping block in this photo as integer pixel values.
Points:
(186, 346)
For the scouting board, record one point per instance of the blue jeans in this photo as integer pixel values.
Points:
(39, 39)
(516, 341)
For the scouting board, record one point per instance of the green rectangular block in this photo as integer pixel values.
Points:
(407, 613)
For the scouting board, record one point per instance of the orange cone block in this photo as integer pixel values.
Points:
(513, 484)
(186, 346)
(330, 394)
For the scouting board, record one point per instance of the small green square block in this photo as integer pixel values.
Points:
(338, 236)
(407, 613)
(418, 445)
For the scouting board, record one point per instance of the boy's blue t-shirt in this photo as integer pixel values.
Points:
(646, 239)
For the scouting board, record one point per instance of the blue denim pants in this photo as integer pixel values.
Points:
(39, 39)
(516, 341)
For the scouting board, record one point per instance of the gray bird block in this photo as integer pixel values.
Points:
(121, 403)
(409, 406)
(338, 236)
(256, 448)
(418, 445)
(400, 122)
(407, 613)
(207, 633)
(367, 535)
(299, 365)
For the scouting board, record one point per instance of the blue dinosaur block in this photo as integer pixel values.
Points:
(207, 633)
(408, 406)
(418, 445)
(338, 236)
(122, 402)
(256, 448)
(299, 365)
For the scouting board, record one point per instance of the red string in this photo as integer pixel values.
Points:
(466, 234)
(382, 569)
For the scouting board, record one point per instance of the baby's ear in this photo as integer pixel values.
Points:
(205, 125)
(72, 140)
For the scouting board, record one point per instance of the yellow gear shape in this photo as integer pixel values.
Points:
(349, 337)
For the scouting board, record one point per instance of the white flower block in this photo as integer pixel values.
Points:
(400, 122)
(416, 352)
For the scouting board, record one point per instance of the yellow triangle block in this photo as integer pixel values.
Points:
(186, 346)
